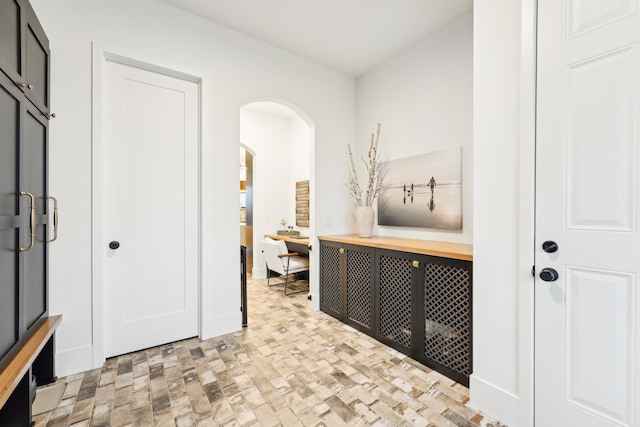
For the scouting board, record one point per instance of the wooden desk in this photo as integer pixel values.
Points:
(299, 244)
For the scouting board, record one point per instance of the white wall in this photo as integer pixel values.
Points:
(301, 140)
(300, 145)
(460, 86)
(423, 99)
(235, 70)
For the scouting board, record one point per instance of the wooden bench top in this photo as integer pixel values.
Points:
(23, 355)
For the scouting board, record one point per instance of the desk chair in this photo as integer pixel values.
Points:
(282, 262)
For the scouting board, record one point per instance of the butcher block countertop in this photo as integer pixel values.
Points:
(425, 247)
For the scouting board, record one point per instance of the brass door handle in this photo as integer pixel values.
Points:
(341, 250)
(26, 85)
(55, 218)
(32, 220)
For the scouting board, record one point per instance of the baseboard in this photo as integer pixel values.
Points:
(74, 360)
(315, 301)
(259, 273)
(215, 326)
(493, 401)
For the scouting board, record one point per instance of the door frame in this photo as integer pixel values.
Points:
(100, 56)
(526, 206)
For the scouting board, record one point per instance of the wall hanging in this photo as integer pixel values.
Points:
(423, 191)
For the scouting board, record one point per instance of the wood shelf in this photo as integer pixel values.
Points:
(425, 247)
(24, 356)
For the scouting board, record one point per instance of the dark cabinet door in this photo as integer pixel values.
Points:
(396, 298)
(331, 273)
(24, 51)
(10, 111)
(36, 62)
(11, 38)
(447, 341)
(34, 181)
(358, 288)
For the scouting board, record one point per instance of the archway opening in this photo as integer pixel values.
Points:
(280, 139)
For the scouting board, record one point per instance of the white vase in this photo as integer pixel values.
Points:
(364, 220)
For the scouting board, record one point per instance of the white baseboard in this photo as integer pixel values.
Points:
(220, 325)
(259, 273)
(74, 360)
(493, 401)
(315, 301)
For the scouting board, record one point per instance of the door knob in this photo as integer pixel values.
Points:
(549, 275)
(550, 246)
(114, 244)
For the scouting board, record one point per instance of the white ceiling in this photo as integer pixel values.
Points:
(351, 36)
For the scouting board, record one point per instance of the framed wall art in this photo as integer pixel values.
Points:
(423, 191)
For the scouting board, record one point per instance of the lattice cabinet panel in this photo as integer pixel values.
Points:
(447, 314)
(330, 280)
(359, 287)
(395, 283)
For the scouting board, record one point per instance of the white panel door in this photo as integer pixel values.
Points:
(151, 208)
(587, 320)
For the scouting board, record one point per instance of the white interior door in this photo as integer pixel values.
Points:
(151, 208)
(587, 329)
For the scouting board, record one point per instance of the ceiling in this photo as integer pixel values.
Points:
(350, 36)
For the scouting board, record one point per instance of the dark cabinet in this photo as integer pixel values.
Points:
(395, 293)
(359, 295)
(24, 51)
(417, 304)
(10, 117)
(23, 230)
(331, 279)
(446, 299)
(345, 293)
(33, 180)
(24, 209)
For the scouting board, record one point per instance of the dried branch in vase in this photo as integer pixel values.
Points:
(376, 174)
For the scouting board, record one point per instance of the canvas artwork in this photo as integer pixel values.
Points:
(423, 191)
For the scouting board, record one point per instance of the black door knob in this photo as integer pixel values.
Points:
(549, 275)
(114, 244)
(550, 246)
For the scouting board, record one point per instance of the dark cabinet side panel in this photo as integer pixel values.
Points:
(9, 151)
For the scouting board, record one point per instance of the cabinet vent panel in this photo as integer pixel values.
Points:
(447, 316)
(330, 274)
(395, 300)
(359, 280)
